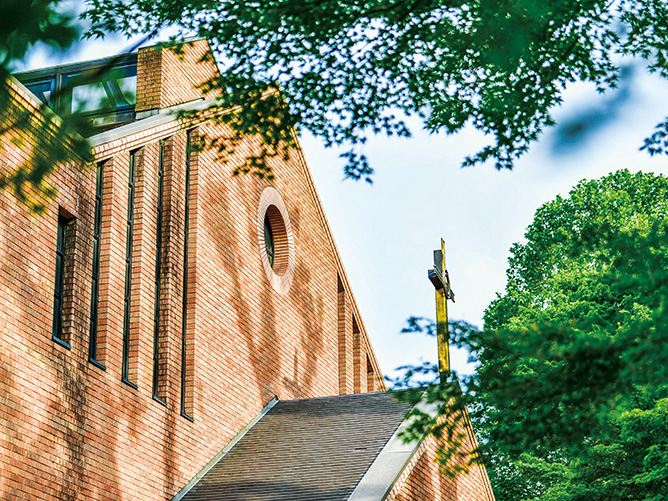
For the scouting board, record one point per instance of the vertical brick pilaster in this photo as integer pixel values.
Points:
(112, 257)
(345, 337)
(149, 78)
(138, 278)
(160, 347)
(172, 292)
(370, 376)
(348, 332)
(143, 262)
(364, 361)
(190, 278)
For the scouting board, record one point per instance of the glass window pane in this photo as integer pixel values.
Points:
(128, 88)
(98, 179)
(268, 241)
(96, 256)
(59, 274)
(98, 215)
(61, 236)
(89, 97)
(128, 243)
(42, 89)
(55, 331)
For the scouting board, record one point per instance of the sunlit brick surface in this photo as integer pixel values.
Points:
(70, 430)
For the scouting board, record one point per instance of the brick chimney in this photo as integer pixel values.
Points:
(166, 77)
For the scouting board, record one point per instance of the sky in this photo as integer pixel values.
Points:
(386, 232)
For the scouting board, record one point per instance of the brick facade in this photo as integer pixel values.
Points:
(421, 479)
(71, 427)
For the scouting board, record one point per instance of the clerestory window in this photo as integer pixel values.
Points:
(104, 90)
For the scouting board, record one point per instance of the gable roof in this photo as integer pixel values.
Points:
(312, 449)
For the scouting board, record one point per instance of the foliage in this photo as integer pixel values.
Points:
(351, 68)
(354, 67)
(23, 24)
(571, 393)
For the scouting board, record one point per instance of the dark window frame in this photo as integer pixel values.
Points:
(95, 280)
(158, 275)
(59, 282)
(62, 80)
(125, 366)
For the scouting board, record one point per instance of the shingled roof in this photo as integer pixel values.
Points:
(313, 449)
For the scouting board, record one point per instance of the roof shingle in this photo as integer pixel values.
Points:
(314, 449)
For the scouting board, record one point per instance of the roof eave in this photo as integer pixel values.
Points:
(135, 134)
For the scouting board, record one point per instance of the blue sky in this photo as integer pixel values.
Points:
(386, 232)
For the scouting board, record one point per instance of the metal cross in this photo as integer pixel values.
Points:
(438, 276)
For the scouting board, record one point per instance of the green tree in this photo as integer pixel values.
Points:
(352, 68)
(22, 25)
(576, 356)
(571, 394)
(355, 67)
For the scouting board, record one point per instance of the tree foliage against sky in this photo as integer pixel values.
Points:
(571, 395)
(24, 23)
(577, 355)
(349, 68)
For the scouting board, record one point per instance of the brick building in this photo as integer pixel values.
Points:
(160, 305)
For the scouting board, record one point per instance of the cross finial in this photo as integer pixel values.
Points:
(439, 274)
(439, 277)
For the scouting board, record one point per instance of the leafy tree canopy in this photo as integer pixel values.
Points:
(349, 68)
(24, 23)
(575, 360)
(571, 394)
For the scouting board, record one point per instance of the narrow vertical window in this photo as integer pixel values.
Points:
(59, 286)
(95, 282)
(186, 370)
(157, 393)
(125, 370)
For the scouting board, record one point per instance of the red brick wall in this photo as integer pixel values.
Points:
(167, 77)
(422, 481)
(149, 81)
(183, 73)
(71, 430)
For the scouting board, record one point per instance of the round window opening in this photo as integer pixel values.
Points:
(275, 239)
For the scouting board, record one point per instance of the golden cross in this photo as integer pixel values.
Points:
(438, 276)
